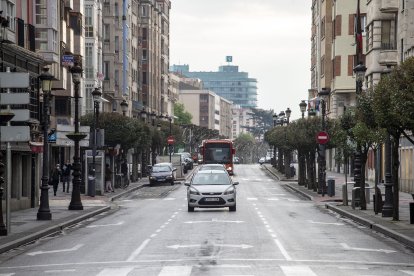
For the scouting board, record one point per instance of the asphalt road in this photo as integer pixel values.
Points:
(273, 232)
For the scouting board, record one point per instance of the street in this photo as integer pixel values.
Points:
(273, 232)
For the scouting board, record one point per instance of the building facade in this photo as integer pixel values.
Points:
(228, 82)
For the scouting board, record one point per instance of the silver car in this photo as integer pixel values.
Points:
(211, 189)
(210, 167)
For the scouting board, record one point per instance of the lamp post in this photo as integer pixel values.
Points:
(288, 152)
(274, 117)
(124, 107)
(388, 207)
(96, 95)
(170, 146)
(143, 115)
(359, 71)
(323, 94)
(76, 203)
(153, 116)
(302, 106)
(281, 120)
(44, 211)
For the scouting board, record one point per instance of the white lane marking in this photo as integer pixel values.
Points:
(325, 223)
(297, 270)
(409, 272)
(105, 225)
(252, 198)
(214, 220)
(169, 198)
(175, 271)
(153, 235)
(283, 250)
(293, 200)
(273, 198)
(76, 247)
(8, 274)
(120, 271)
(242, 246)
(347, 247)
(57, 271)
(277, 194)
(138, 250)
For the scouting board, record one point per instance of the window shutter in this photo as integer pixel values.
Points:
(350, 65)
(338, 25)
(351, 24)
(337, 68)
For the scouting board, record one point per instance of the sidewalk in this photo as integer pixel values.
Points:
(25, 227)
(400, 230)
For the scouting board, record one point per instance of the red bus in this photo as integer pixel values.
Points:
(219, 151)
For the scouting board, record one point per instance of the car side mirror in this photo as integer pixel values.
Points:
(236, 183)
(187, 183)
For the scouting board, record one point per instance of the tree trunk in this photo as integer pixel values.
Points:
(313, 170)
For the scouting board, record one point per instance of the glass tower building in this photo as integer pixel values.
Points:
(227, 82)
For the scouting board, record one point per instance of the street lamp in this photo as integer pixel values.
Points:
(76, 203)
(288, 153)
(153, 116)
(44, 211)
(324, 95)
(124, 107)
(143, 114)
(388, 207)
(96, 95)
(302, 106)
(359, 71)
(170, 146)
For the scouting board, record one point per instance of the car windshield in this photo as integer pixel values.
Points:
(161, 169)
(212, 167)
(211, 179)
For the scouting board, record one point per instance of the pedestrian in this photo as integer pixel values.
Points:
(124, 171)
(66, 169)
(54, 178)
(108, 179)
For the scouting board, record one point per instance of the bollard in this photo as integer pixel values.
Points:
(355, 201)
(344, 195)
(368, 195)
(412, 212)
(331, 187)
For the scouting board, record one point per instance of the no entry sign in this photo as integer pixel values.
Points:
(170, 140)
(322, 137)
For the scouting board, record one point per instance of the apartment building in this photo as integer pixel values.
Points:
(154, 46)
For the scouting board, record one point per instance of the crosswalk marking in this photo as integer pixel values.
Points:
(120, 271)
(175, 271)
(297, 270)
(409, 272)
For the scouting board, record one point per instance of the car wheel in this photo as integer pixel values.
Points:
(190, 209)
(151, 183)
(172, 182)
(232, 208)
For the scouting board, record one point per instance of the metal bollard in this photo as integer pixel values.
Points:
(355, 202)
(368, 195)
(412, 212)
(344, 195)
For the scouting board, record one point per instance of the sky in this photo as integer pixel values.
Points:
(269, 39)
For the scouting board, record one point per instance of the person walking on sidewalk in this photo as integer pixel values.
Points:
(66, 169)
(54, 178)
(108, 179)
(125, 176)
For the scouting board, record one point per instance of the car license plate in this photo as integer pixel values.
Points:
(212, 199)
(161, 179)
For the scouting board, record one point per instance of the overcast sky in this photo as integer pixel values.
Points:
(269, 39)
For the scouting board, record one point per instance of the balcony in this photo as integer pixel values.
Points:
(388, 57)
(389, 6)
(69, 4)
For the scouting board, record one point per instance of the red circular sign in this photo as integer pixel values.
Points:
(170, 140)
(322, 137)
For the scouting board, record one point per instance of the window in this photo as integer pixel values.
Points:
(88, 21)
(144, 33)
(387, 35)
(106, 70)
(41, 12)
(106, 32)
(89, 62)
(144, 54)
(62, 106)
(116, 44)
(323, 27)
(322, 65)
(144, 77)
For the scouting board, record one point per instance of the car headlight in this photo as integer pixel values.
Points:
(229, 191)
(229, 168)
(169, 176)
(194, 191)
(152, 177)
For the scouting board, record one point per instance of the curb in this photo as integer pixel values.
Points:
(299, 192)
(374, 226)
(50, 230)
